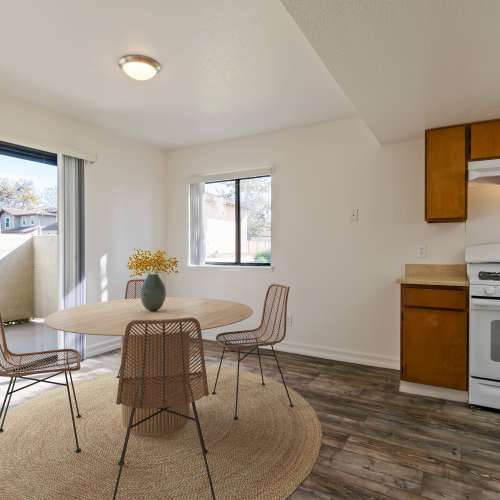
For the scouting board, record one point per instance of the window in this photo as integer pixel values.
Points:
(24, 221)
(30, 154)
(231, 221)
(7, 222)
(32, 222)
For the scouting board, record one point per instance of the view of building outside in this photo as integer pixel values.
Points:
(255, 221)
(28, 197)
(28, 239)
(255, 200)
(220, 222)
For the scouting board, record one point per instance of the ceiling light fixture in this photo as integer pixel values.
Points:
(139, 67)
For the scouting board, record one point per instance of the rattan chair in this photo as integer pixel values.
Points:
(162, 368)
(133, 291)
(133, 288)
(27, 365)
(271, 331)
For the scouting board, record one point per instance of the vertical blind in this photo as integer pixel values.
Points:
(197, 224)
(73, 234)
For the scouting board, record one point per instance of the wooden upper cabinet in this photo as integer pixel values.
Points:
(446, 174)
(485, 140)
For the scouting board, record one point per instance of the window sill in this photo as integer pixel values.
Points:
(232, 268)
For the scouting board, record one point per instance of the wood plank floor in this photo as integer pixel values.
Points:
(380, 444)
(377, 442)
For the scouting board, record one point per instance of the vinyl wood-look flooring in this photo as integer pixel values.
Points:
(377, 443)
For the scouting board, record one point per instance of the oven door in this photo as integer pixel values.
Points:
(484, 338)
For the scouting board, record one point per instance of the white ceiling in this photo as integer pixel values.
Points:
(230, 67)
(409, 65)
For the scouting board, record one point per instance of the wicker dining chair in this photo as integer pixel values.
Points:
(271, 331)
(25, 366)
(133, 291)
(162, 368)
(133, 288)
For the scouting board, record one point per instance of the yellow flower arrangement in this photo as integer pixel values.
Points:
(146, 261)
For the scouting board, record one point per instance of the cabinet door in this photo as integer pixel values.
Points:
(434, 347)
(446, 174)
(485, 140)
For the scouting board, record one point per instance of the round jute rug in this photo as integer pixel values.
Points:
(265, 454)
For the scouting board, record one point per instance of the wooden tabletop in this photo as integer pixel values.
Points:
(111, 318)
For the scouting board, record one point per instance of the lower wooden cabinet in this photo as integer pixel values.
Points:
(434, 338)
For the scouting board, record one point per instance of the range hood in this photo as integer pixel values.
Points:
(484, 171)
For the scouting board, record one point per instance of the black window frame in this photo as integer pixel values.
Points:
(25, 153)
(237, 208)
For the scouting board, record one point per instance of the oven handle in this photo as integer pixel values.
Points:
(491, 304)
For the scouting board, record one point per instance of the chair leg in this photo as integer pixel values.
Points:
(77, 450)
(5, 398)
(203, 448)
(282, 377)
(237, 387)
(6, 401)
(218, 371)
(260, 364)
(74, 396)
(124, 451)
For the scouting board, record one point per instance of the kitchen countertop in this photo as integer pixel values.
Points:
(435, 274)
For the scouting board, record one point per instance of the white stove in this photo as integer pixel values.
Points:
(483, 268)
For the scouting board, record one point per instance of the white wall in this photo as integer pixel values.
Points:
(344, 298)
(124, 198)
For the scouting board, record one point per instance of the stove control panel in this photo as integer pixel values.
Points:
(484, 273)
(485, 291)
(488, 276)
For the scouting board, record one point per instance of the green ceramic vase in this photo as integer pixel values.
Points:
(153, 293)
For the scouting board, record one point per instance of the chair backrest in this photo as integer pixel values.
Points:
(133, 288)
(162, 364)
(273, 323)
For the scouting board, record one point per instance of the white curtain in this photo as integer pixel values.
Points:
(73, 235)
(196, 223)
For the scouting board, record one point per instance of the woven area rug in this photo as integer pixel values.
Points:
(265, 454)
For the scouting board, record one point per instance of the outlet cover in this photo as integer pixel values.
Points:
(421, 251)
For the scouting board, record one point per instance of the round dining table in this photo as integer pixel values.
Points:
(111, 319)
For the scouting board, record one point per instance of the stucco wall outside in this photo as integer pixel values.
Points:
(45, 276)
(16, 271)
(29, 274)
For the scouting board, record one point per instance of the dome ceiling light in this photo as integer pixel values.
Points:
(139, 67)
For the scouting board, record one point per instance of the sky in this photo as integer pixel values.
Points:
(42, 175)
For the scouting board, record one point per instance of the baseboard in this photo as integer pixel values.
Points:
(433, 391)
(314, 351)
(103, 346)
(323, 352)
